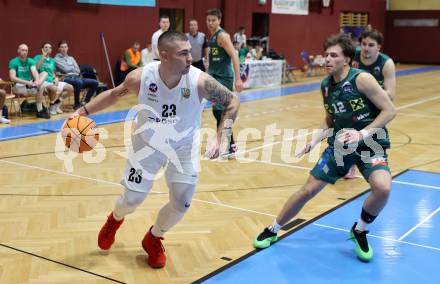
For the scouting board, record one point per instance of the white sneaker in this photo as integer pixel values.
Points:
(53, 110)
(4, 120)
(58, 109)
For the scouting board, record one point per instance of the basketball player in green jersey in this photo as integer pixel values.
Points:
(357, 110)
(381, 66)
(378, 64)
(221, 53)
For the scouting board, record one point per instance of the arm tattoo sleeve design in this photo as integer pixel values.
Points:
(217, 92)
(123, 92)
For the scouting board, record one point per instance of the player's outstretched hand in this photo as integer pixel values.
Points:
(348, 136)
(73, 115)
(304, 150)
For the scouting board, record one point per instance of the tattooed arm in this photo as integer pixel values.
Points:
(212, 90)
(131, 85)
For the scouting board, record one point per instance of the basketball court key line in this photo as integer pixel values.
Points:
(379, 237)
(419, 224)
(119, 185)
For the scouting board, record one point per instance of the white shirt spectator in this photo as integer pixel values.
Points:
(154, 41)
(240, 38)
(146, 56)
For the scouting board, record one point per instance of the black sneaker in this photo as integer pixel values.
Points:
(265, 239)
(43, 113)
(363, 249)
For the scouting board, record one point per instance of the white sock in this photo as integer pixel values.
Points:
(275, 227)
(361, 225)
(117, 218)
(39, 106)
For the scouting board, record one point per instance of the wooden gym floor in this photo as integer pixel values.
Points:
(49, 218)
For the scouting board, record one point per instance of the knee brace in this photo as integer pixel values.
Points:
(181, 196)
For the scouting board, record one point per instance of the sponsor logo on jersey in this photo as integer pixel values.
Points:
(357, 104)
(152, 91)
(152, 88)
(360, 117)
(347, 87)
(382, 161)
(376, 71)
(214, 51)
(186, 93)
(163, 120)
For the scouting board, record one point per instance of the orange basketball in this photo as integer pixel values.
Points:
(80, 134)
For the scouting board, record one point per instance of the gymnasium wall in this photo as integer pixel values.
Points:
(413, 5)
(293, 34)
(413, 44)
(35, 21)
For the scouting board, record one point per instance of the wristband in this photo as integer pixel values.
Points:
(85, 109)
(364, 133)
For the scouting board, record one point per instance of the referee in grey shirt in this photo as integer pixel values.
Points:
(199, 45)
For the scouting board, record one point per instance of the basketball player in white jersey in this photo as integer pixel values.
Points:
(170, 95)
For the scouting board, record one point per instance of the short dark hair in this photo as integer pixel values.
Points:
(171, 36)
(44, 43)
(215, 12)
(344, 41)
(374, 34)
(164, 17)
(241, 28)
(62, 42)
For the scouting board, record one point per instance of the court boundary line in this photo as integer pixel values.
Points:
(380, 237)
(195, 199)
(220, 204)
(416, 184)
(307, 168)
(303, 88)
(419, 224)
(61, 263)
(118, 184)
(216, 203)
(288, 233)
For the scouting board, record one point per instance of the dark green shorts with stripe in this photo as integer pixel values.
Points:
(331, 167)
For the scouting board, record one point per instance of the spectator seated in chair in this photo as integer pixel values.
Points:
(56, 90)
(69, 69)
(130, 61)
(24, 74)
